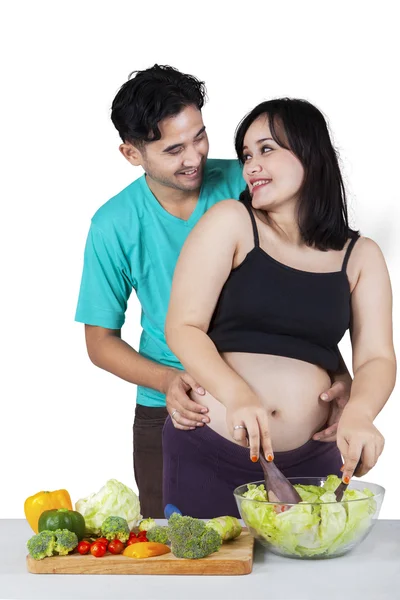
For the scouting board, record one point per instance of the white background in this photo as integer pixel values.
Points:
(64, 422)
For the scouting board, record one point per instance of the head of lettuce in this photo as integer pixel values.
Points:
(318, 525)
(113, 500)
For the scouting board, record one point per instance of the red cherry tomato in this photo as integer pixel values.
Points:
(116, 546)
(142, 533)
(103, 540)
(98, 549)
(134, 540)
(83, 547)
(132, 535)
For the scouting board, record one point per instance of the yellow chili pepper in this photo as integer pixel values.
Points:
(35, 505)
(146, 549)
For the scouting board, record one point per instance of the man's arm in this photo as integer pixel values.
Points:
(341, 382)
(106, 285)
(338, 395)
(108, 351)
(342, 373)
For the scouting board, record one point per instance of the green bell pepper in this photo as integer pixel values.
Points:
(63, 518)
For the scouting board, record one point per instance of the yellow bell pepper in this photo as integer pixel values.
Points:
(35, 505)
(146, 549)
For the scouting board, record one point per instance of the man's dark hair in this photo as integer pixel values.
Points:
(300, 127)
(151, 96)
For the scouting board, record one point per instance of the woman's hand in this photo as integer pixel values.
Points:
(247, 422)
(357, 437)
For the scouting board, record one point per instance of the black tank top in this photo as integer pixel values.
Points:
(266, 307)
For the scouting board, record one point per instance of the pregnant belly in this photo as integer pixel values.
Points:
(288, 388)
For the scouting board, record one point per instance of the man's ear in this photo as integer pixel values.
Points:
(132, 154)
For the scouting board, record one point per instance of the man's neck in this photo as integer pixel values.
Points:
(178, 203)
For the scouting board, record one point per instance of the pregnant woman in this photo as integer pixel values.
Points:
(263, 292)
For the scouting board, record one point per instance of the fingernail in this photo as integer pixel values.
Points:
(324, 396)
(342, 468)
(270, 458)
(205, 420)
(192, 427)
(199, 424)
(317, 437)
(254, 458)
(201, 390)
(346, 480)
(204, 410)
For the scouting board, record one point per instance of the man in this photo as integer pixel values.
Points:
(134, 242)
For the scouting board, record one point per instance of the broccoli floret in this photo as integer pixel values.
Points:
(147, 524)
(49, 543)
(115, 528)
(66, 541)
(42, 544)
(190, 538)
(158, 533)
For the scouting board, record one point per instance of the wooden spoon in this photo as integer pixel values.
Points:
(341, 488)
(279, 489)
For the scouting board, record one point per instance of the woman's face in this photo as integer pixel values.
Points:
(273, 174)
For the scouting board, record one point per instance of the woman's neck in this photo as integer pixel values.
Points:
(284, 224)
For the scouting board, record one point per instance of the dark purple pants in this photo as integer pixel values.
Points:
(202, 468)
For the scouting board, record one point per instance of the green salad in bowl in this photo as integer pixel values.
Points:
(316, 527)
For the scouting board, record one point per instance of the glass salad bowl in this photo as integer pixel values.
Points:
(319, 526)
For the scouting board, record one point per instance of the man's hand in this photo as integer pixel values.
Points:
(338, 395)
(185, 413)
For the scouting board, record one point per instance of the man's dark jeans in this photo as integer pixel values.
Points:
(148, 458)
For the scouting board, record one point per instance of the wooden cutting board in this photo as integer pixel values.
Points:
(233, 558)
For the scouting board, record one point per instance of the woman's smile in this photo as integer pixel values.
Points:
(259, 183)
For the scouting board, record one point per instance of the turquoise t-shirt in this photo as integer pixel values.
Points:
(134, 243)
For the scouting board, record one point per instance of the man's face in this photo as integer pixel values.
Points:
(177, 160)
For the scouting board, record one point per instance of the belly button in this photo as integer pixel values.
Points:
(273, 413)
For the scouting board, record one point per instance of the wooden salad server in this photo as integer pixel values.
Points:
(279, 489)
(342, 487)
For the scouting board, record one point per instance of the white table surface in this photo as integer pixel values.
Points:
(369, 572)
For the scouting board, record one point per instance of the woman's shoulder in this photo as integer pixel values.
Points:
(366, 247)
(229, 211)
(366, 259)
(228, 206)
(223, 222)
(366, 254)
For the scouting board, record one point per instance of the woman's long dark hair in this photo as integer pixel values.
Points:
(301, 128)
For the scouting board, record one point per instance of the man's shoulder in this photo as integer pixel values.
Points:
(222, 167)
(223, 178)
(122, 207)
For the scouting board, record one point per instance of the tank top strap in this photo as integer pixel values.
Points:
(253, 223)
(348, 252)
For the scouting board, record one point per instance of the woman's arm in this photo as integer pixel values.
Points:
(374, 361)
(203, 267)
